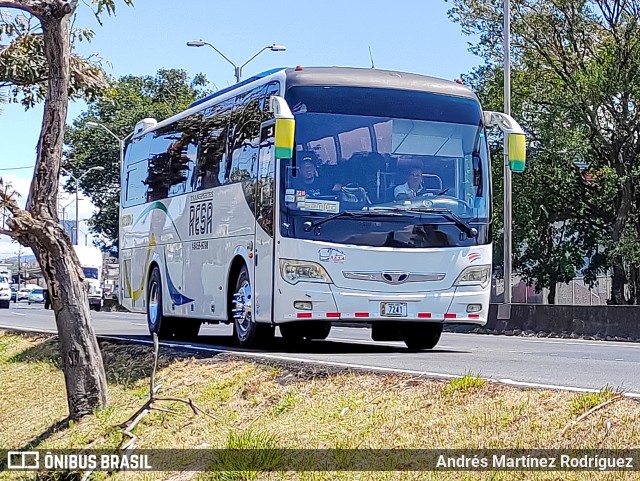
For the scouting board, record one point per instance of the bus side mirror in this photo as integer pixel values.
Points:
(517, 152)
(285, 128)
(513, 135)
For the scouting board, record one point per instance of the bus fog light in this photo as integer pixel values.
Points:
(303, 305)
(474, 307)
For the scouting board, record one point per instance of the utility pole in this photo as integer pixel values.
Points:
(507, 269)
(19, 267)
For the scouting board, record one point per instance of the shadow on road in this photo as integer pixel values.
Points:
(279, 345)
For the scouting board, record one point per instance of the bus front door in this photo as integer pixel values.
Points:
(265, 215)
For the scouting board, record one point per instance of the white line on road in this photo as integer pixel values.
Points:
(426, 374)
(17, 313)
(277, 357)
(577, 342)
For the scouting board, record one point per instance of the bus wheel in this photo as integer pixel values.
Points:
(248, 332)
(156, 320)
(421, 335)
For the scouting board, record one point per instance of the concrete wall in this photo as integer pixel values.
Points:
(599, 322)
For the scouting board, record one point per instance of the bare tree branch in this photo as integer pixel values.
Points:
(24, 5)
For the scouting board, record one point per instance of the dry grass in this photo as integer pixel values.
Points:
(265, 406)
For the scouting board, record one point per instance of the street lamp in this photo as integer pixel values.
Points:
(238, 70)
(110, 132)
(77, 181)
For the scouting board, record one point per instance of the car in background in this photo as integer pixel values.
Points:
(36, 296)
(5, 290)
(23, 295)
(5, 295)
(14, 294)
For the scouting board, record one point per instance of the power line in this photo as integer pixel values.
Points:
(19, 168)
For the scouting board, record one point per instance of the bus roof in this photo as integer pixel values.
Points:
(338, 76)
(356, 77)
(374, 78)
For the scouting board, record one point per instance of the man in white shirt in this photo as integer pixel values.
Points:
(412, 187)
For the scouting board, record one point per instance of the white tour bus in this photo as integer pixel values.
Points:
(306, 196)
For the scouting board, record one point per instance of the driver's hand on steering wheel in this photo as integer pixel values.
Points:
(337, 188)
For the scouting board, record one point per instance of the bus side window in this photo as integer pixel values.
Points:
(213, 147)
(136, 172)
(244, 143)
(136, 190)
(169, 158)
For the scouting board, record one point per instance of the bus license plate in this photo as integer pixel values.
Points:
(393, 309)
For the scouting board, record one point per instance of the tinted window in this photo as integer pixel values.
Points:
(135, 171)
(172, 157)
(244, 138)
(213, 146)
(135, 184)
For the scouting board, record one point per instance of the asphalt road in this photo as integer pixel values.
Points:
(536, 362)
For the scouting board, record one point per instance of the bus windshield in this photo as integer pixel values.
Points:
(90, 272)
(378, 150)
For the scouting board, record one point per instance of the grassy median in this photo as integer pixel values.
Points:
(260, 405)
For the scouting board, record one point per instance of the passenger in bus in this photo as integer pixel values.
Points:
(412, 187)
(307, 179)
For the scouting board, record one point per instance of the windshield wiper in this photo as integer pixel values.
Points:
(308, 225)
(449, 215)
(446, 213)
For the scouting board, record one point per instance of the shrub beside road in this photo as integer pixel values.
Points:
(293, 406)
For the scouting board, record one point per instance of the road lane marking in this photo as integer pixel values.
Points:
(365, 367)
(578, 342)
(249, 354)
(18, 313)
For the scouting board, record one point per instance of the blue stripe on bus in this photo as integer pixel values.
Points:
(177, 297)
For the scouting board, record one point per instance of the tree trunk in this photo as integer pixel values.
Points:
(634, 285)
(81, 358)
(551, 296)
(618, 280)
(38, 227)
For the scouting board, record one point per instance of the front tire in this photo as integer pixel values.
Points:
(5, 304)
(157, 322)
(246, 330)
(420, 335)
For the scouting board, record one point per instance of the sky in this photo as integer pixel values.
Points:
(405, 35)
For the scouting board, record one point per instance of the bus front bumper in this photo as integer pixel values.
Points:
(326, 302)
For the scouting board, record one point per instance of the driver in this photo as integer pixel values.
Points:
(307, 179)
(412, 187)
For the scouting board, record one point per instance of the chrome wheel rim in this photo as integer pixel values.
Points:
(153, 305)
(242, 313)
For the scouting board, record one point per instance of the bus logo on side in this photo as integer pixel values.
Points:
(201, 218)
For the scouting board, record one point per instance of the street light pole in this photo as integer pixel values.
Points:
(237, 69)
(121, 142)
(77, 182)
(507, 268)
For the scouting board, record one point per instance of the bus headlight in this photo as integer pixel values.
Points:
(475, 276)
(303, 271)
